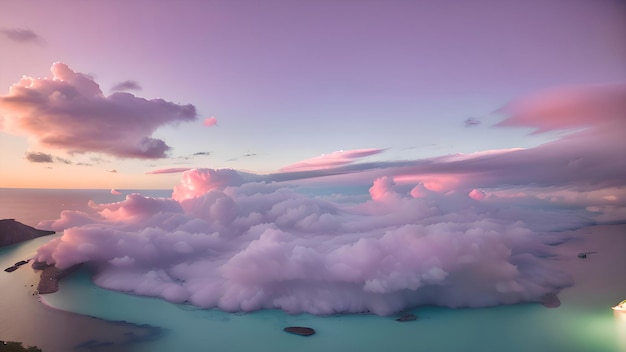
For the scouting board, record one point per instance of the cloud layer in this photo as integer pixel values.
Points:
(69, 111)
(244, 246)
(460, 230)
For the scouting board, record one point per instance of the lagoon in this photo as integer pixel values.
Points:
(84, 317)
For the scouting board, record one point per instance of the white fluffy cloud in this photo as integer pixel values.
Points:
(245, 246)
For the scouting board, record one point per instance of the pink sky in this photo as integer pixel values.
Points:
(367, 158)
(409, 81)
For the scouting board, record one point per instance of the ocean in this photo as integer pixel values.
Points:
(83, 317)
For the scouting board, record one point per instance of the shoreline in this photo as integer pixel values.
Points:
(35, 323)
(589, 274)
(134, 333)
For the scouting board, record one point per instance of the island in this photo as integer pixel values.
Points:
(550, 300)
(299, 330)
(14, 346)
(407, 317)
(50, 276)
(12, 232)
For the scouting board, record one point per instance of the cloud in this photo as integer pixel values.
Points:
(477, 194)
(69, 112)
(113, 171)
(115, 192)
(171, 170)
(244, 246)
(126, 85)
(459, 231)
(38, 157)
(332, 160)
(199, 181)
(471, 121)
(568, 107)
(20, 35)
(210, 121)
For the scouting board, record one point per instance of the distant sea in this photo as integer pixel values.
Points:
(84, 317)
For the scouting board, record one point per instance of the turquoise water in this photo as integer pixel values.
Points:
(583, 323)
(529, 327)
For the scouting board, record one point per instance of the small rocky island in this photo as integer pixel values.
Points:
(16, 266)
(407, 317)
(50, 276)
(12, 232)
(299, 330)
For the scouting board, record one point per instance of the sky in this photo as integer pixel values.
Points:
(149, 89)
(323, 157)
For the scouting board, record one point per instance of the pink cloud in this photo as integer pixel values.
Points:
(382, 188)
(334, 159)
(258, 245)
(477, 194)
(210, 121)
(196, 182)
(567, 107)
(126, 85)
(171, 170)
(115, 192)
(69, 111)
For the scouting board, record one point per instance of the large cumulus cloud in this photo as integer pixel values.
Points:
(246, 246)
(69, 111)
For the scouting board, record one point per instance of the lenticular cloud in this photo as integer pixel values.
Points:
(221, 242)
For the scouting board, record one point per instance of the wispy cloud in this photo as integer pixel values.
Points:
(39, 157)
(201, 153)
(125, 86)
(471, 122)
(171, 170)
(332, 160)
(21, 35)
(70, 112)
(568, 107)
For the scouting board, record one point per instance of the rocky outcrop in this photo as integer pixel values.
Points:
(407, 317)
(12, 232)
(299, 330)
(17, 265)
(550, 300)
(50, 276)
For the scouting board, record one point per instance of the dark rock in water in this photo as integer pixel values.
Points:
(40, 265)
(551, 300)
(50, 276)
(22, 262)
(11, 269)
(12, 232)
(16, 266)
(300, 330)
(407, 317)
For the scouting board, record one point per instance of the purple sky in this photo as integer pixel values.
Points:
(475, 126)
(274, 83)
